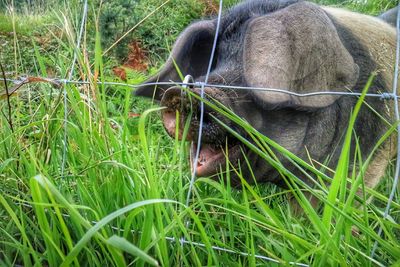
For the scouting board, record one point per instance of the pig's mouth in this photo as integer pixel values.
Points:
(217, 147)
(212, 159)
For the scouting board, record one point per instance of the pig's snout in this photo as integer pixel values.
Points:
(176, 102)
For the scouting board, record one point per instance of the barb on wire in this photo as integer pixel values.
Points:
(397, 115)
(70, 75)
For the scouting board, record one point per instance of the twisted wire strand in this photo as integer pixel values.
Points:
(397, 114)
(70, 75)
(199, 137)
(383, 96)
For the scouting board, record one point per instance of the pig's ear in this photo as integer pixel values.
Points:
(298, 49)
(190, 55)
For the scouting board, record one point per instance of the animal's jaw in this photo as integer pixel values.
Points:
(218, 146)
(211, 159)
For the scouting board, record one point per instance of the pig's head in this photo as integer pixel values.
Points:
(290, 45)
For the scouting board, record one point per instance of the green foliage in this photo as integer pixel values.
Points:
(19, 5)
(120, 199)
(116, 18)
(155, 33)
(33, 6)
(372, 7)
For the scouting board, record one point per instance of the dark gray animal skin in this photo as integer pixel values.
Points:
(390, 16)
(293, 45)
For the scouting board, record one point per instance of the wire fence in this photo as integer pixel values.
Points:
(60, 82)
(397, 114)
(70, 75)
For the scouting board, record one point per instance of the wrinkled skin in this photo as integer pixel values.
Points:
(286, 44)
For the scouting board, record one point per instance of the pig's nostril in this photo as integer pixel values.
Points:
(171, 98)
(169, 120)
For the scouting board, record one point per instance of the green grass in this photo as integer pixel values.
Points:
(371, 7)
(120, 200)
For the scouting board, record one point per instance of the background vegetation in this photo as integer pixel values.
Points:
(120, 198)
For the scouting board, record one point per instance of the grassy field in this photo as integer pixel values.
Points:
(120, 200)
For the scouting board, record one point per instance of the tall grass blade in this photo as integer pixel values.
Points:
(103, 222)
(124, 245)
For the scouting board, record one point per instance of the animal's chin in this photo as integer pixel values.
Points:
(212, 159)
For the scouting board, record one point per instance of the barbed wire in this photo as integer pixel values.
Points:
(69, 80)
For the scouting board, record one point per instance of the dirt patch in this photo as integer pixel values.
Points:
(136, 60)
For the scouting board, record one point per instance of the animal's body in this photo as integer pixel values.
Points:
(291, 45)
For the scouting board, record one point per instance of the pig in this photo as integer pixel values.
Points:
(292, 45)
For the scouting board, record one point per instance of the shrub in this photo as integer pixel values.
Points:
(155, 34)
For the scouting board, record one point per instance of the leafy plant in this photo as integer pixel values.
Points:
(155, 33)
(120, 199)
